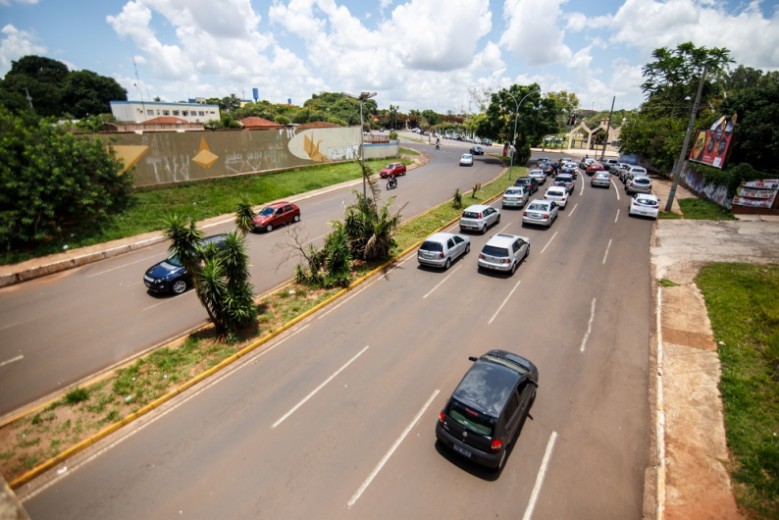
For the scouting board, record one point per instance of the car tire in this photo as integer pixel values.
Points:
(296, 218)
(484, 229)
(502, 461)
(498, 220)
(179, 286)
(447, 264)
(514, 267)
(467, 248)
(269, 228)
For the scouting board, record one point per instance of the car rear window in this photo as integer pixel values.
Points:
(432, 246)
(537, 207)
(641, 180)
(555, 193)
(647, 202)
(471, 419)
(495, 251)
(470, 214)
(514, 192)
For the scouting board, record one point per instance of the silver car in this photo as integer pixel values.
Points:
(504, 252)
(515, 197)
(478, 218)
(540, 213)
(638, 184)
(442, 249)
(538, 175)
(601, 179)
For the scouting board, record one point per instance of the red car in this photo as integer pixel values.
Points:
(275, 215)
(396, 168)
(595, 167)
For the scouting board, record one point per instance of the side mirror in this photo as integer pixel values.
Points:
(472, 358)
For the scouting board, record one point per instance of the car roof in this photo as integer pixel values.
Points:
(545, 202)
(646, 196)
(442, 236)
(489, 382)
(504, 239)
(278, 203)
(555, 189)
(477, 207)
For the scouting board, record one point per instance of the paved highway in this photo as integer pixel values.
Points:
(335, 418)
(63, 328)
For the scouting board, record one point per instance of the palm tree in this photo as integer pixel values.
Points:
(370, 230)
(185, 241)
(244, 216)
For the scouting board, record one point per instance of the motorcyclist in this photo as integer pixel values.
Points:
(392, 181)
(437, 143)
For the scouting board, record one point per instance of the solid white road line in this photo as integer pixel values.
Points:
(660, 410)
(504, 303)
(550, 241)
(144, 259)
(606, 254)
(12, 360)
(570, 214)
(321, 386)
(589, 325)
(389, 453)
(540, 477)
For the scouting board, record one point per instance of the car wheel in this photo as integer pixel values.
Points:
(447, 264)
(498, 220)
(296, 218)
(502, 461)
(269, 228)
(467, 248)
(484, 229)
(179, 286)
(514, 267)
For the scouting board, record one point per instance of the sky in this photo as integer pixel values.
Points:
(441, 55)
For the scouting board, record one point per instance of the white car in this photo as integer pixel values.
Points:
(645, 205)
(558, 194)
(478, 218)
(634, 171)
(602, 179)
(538, 175)
(441, 249)
(504, 252)
(466, 159)
(515, 197)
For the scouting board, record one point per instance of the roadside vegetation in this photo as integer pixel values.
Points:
(44, 437)
(744, 313)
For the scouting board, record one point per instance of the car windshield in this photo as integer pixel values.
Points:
(432, 246)
(495, 251)
(174, 261)
(471, 419)
(389, 167)
(267, 211)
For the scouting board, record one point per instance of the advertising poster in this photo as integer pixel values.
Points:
(711, 145)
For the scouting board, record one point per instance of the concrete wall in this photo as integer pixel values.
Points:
(169, 158)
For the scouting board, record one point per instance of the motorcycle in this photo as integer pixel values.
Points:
(437, 146)
(392, 183)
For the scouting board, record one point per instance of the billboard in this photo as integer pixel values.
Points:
(712, 145)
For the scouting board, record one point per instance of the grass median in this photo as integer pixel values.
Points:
(43, 438)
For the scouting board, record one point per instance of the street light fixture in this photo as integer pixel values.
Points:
(361, 98)
(516, 114)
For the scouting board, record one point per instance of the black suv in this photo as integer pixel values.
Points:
(488, 407)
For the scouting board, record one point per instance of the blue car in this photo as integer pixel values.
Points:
(169, 276)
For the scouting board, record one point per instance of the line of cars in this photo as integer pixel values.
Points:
(636, 182)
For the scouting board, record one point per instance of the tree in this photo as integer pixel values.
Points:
(86, 93)
(244, 216)
(53, 183)
(370, 229)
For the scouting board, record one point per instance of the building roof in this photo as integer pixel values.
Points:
(258, 122)
(166, 120)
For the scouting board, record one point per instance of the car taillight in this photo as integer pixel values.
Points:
(441, 416)
(441, 254)
(481, 255)
(524, 213)
(496, 444)
(505, 261)
(479, 215)
(546, 215)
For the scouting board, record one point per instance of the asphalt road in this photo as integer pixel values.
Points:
(335, 418)
(61, 329)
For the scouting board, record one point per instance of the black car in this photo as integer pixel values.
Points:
(487, 409)
(169, 276)
(477, 150)
(529, 183)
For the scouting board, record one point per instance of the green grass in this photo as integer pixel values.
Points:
(200, 201)
(744, 311)
(699, 209)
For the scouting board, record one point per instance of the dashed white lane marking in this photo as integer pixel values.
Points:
(12, 360)
(540, 477)
(606, 254)
(589, 325)
(504, 303)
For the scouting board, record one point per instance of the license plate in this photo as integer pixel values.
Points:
(462, 451)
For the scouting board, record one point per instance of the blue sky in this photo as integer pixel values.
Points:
(442, 55)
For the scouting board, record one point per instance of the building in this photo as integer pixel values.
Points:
(141, 111)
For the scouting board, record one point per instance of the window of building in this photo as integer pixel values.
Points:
(175, 112)
(166, 112)
(150, 112)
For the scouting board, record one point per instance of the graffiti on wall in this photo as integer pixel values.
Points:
(714, 192)
(164, 158)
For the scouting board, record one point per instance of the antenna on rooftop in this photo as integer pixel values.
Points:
(138, 84)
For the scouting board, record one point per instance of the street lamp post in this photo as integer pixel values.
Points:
(516, 115)
(361, 98)
(678, 166)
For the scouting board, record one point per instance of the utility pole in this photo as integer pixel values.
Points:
(608, 127)
(678, 166)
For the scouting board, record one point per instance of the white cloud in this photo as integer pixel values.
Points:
(15, 44)
(752, 38)
(531, 32)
